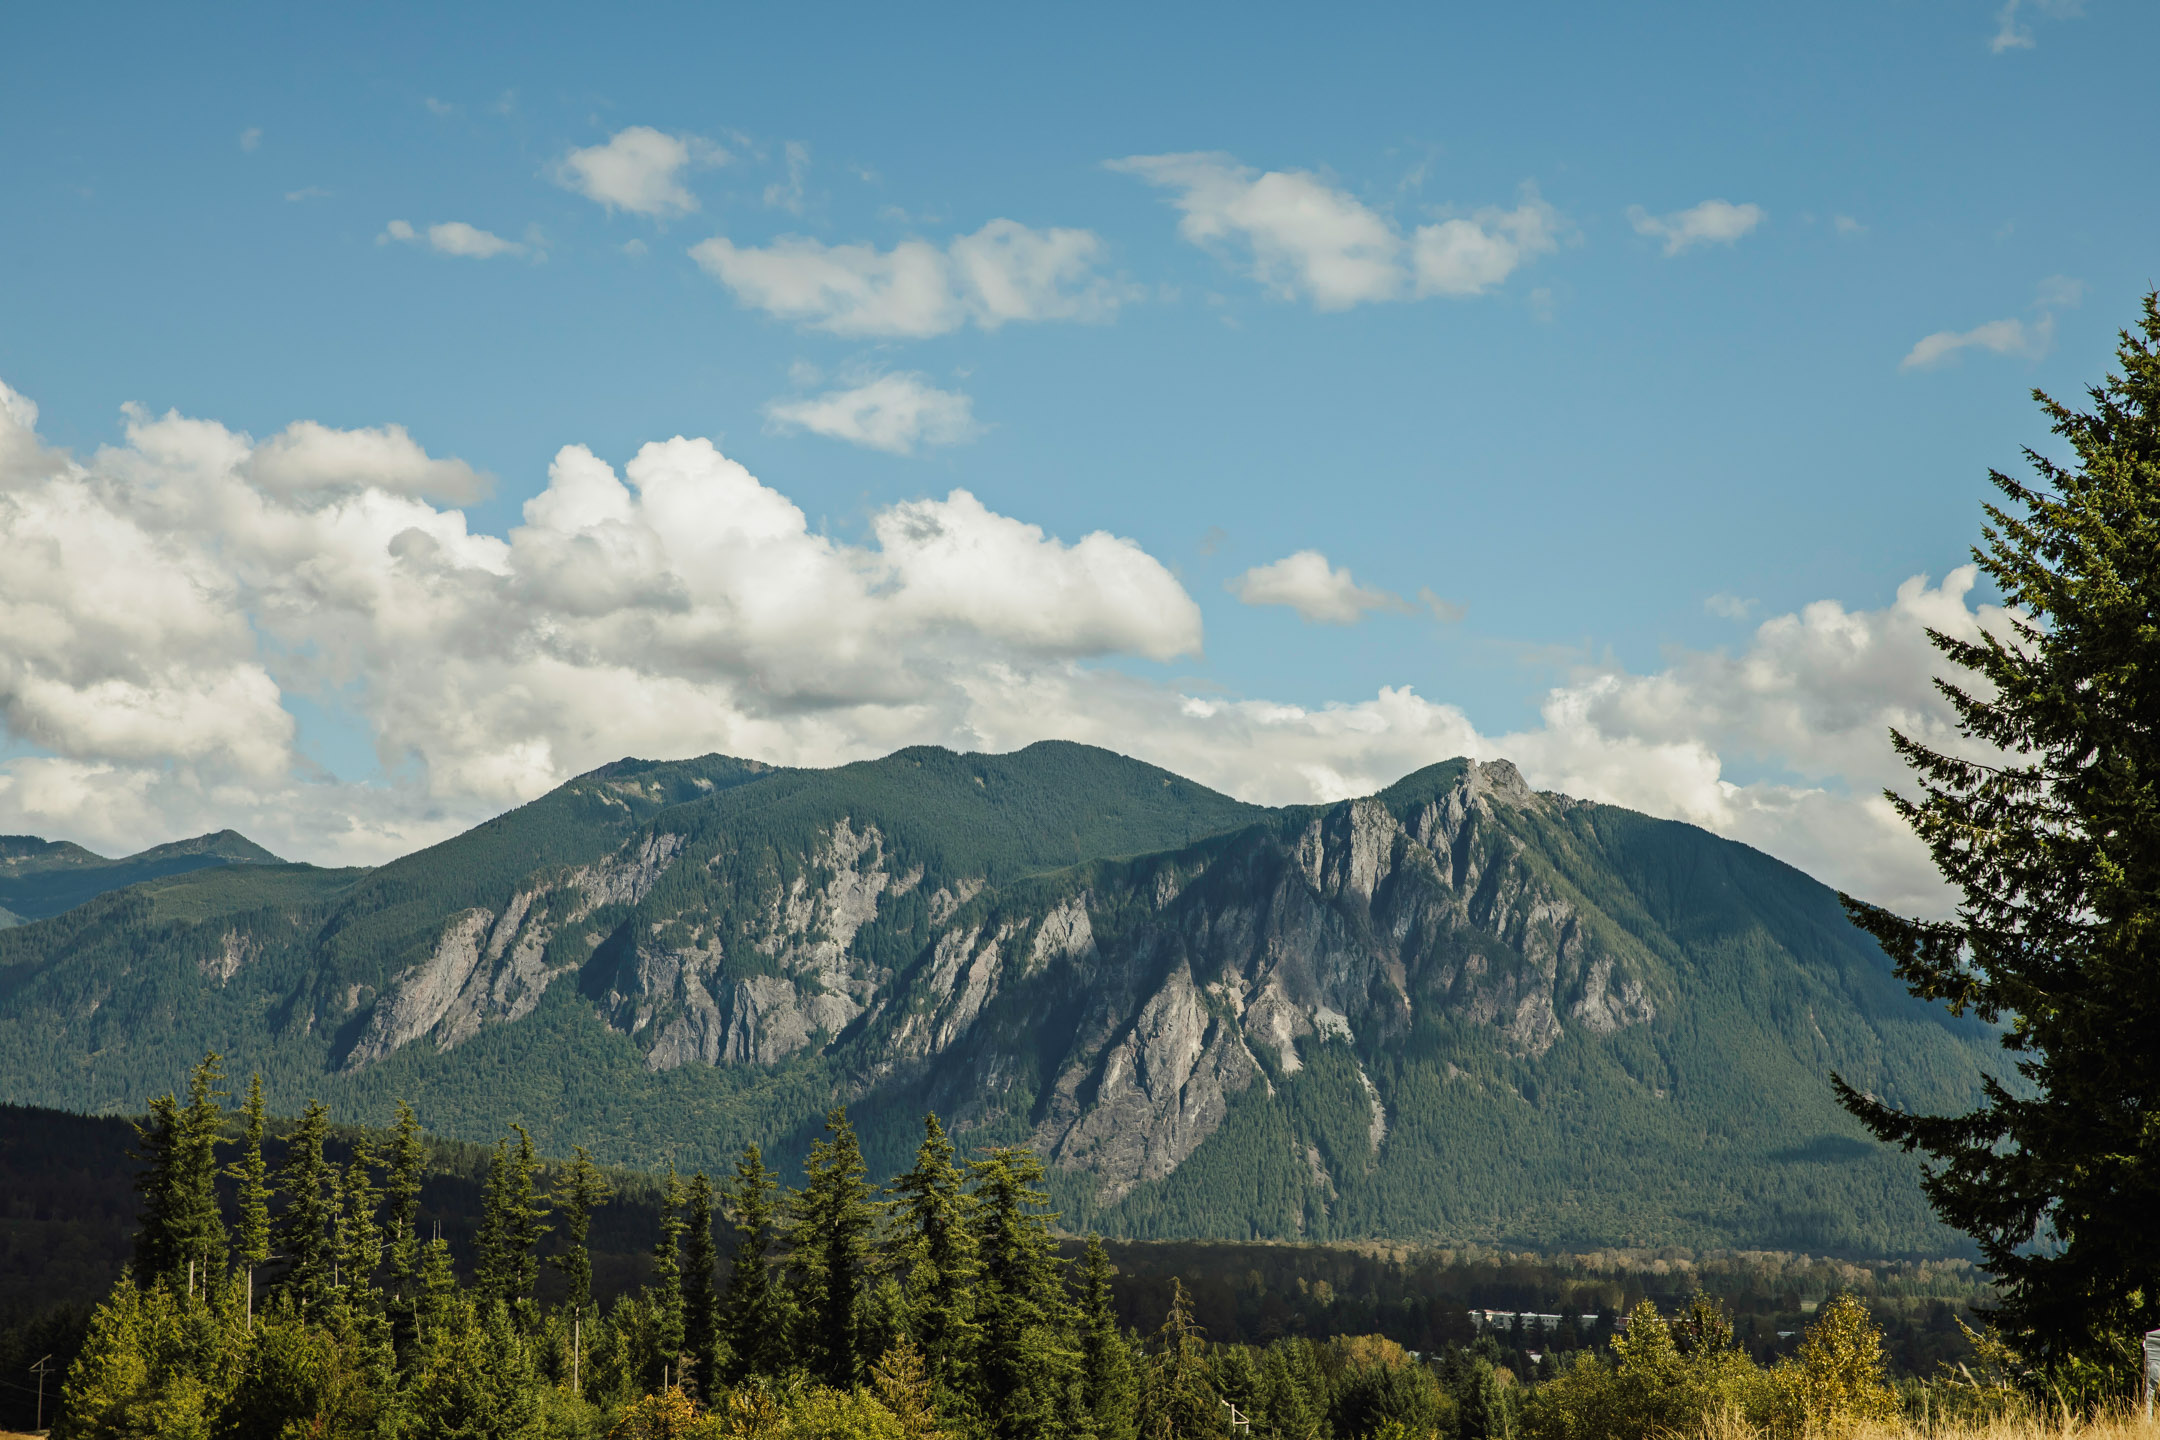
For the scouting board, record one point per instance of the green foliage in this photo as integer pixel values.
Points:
(182, 1235)
(2052, 837)
(701, 1305)
(756, 1313)
(512, 1224)
(830, 1224)
(303, 1236)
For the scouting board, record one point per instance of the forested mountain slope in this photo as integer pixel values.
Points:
(40, 878)
(1456, 1010)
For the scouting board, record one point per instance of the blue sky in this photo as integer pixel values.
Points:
(1608, 431)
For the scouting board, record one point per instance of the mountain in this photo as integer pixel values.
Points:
(40, 878)
(1456, 1010)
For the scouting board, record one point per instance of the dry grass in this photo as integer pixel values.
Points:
(2131, 1425)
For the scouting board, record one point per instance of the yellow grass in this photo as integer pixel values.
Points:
(2130, 1425)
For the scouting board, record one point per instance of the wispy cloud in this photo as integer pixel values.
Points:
(1002, 272)
(1713, 222)
(251, 138)
(1304, 238)
(2012, 336)
(788, 195)
(2010, 35)
(454, 237)
(894, 413)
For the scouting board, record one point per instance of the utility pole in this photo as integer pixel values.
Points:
(1238, 1419)
(39, 1370)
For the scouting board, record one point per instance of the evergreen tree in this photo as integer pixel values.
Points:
(182, 1233)
(936, 1257)
(755, 1308)
(407, 1159)
(1179, 1400)
(664, 1292)
(251, 1233)
(701, 1307)
(830, 1225)
(1106, 1368)
(359, 1239)
(2052, 836)
(303, 1233)
(1025, 1369)
(507, 1265)
(584, 1190)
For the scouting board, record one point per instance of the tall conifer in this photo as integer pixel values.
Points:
(755, 1308)
(407, 1159)
(832, 1220)
(2048, 823)
(1106, 1368)
(664, 1292)
(936, 1256)
(1025, 1367)
(251, 1232)
(308, 1182)
(701, 1306)
(584, 1189)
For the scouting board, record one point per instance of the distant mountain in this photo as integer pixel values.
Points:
(41, 878)
(1456, 1010)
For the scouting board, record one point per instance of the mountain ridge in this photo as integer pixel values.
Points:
(42, 878)
(1457, 1009)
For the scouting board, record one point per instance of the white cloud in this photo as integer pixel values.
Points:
(640, 170)
(1002, 272)
(1304, 238)
(308, 458)
(2013, 336)
(1319, 592)
(1729, 607)
(1714, 222)
(454, 237)
(788, 195)
(164, 600)
(251, 138)
(1846, 225)
(2001, 337)
(890, 412)
(2010, 35)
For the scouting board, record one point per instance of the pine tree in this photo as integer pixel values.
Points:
(701, 1308)
(936, 1257)
(302, 1234)
(664, 1292)
(831, 1222)
(182, 1234)
(359, 1238)
(584, 1189)
(407, 1158)
(1179, 1400)
(1025, 1367)
(251, 1235)
(507, 1267)
(2052, 837)
(1106, 1368)
(755, 1310)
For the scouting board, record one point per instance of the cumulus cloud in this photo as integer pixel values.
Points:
(895, 413)
(1319, 592)
(164, 601)
(639, 169)
(1714, 222)
(454, 237)
(1005, 271)
(1304, 238)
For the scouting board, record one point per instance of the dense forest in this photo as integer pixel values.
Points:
(282, 1273)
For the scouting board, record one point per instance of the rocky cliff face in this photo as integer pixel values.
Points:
(1174, 975)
